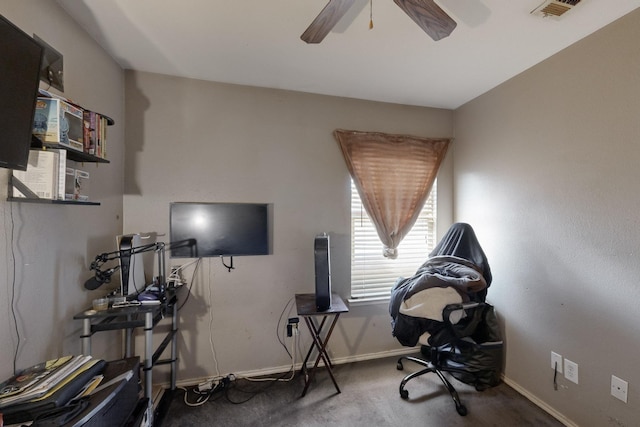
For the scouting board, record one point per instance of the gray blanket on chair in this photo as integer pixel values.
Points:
(417, 302)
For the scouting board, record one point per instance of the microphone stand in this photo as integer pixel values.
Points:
(125, 255)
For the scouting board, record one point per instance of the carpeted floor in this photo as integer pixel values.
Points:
(369, 397)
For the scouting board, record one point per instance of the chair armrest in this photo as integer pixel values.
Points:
(451, 308)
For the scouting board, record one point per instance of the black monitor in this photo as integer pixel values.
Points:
(219, 229)
(20, 59)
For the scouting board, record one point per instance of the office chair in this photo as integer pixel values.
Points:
(442, 308)
(472, 352)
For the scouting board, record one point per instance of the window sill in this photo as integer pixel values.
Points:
(368, 301)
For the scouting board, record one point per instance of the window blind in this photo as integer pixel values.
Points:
(373, 275)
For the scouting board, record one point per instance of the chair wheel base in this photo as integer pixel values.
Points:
(462, 410)
(429, 367)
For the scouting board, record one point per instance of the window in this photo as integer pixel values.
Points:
(373, 275)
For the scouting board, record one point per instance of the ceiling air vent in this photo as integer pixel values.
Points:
(554, 8)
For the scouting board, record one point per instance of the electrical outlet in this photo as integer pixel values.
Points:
(571, 370)
(619, 388)
(556, 362)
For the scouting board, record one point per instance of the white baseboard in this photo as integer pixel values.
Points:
(536, 401)
(280, 369)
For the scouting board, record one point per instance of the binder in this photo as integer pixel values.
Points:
(57, 397)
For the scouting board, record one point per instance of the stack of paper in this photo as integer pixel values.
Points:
(48, 385)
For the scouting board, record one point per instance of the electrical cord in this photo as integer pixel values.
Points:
(251, 393)
(283, 378)
(292, 354)
(13, 292)
(278, 329)
(193, 279)
(216, 385)
(219, 386)
(213, 350)
(174, 276)
(224, 387)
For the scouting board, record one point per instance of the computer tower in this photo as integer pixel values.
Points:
(132, 274)
(323, 272)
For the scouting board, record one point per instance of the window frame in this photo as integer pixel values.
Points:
(373, 275)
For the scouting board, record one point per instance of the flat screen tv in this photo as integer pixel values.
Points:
(219, 229)
(20, 59)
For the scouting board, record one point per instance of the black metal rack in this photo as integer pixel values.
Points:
(128, 318)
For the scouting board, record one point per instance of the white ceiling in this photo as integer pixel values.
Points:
(257, 43)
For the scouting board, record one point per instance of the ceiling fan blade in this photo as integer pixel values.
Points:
(326, 20)
(429, 16)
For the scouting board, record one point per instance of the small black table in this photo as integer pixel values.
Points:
(306, 307)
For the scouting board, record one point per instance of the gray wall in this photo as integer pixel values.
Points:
(53, 245)
(190, 140)
(546, 169)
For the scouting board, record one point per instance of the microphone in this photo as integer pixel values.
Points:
(100, 278)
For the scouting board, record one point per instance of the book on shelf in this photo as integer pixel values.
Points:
(90, 123)
(95, 134)
(45, 175)
(90, 128)
(98, 136)
(86, 131)
(105, 123)
(42, 174)
(61, 168)
(101, 125)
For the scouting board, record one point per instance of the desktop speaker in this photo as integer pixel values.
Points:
(323, 272)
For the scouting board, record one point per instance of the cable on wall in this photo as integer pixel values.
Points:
(213, 350)
(13, 290)
(198, 262)
(290, 374)
(219, 386)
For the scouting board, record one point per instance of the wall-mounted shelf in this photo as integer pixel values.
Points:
(71, 154)
(31, 197)
(51, 202)
(75, 155)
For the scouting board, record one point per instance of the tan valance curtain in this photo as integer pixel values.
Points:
(393, 175)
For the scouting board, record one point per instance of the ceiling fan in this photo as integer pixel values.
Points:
(426, 13)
